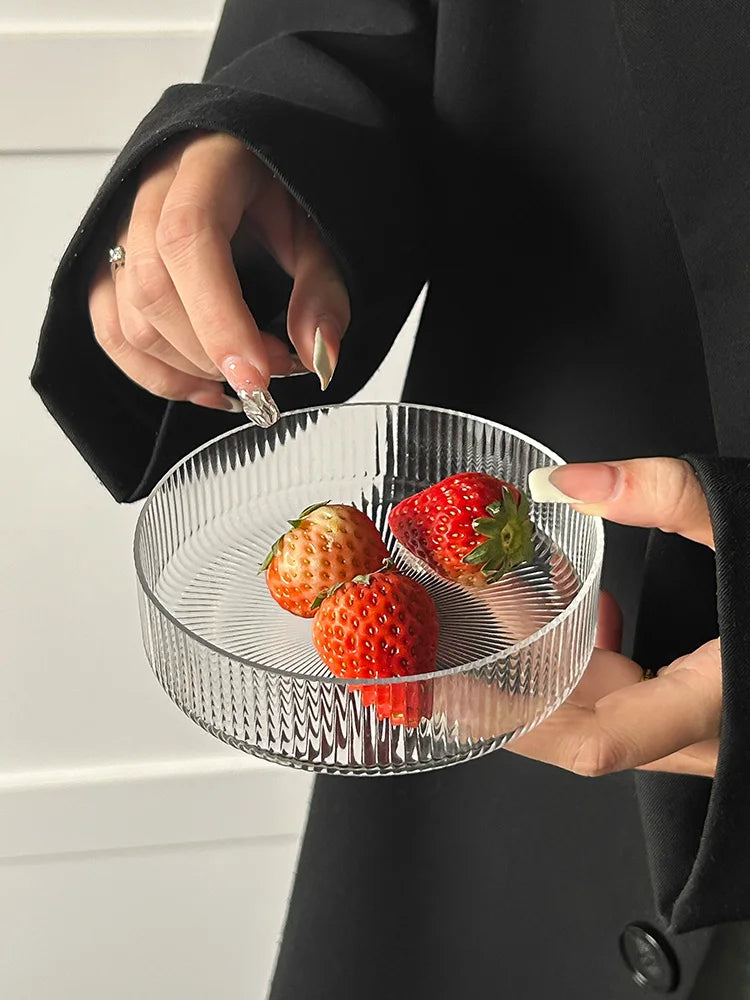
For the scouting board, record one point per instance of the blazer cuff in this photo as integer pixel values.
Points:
(350, 177)
(699, 830)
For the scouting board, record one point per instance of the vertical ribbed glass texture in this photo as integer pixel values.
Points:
(247, 672)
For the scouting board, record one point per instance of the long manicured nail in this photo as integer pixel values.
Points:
(592, 482)
(257, 402)
(325, 353)
(205, 397)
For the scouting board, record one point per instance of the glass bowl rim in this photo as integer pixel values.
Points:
(464, 668)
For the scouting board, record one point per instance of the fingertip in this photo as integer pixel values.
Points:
(214, 401)
(609, 624)
(319, 311)
(282, 362)
(243, 374)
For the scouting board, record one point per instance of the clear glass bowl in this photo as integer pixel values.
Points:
(247, 672)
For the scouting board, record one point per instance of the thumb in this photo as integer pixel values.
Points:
(318, 313)
(647, 492)
(319, 310)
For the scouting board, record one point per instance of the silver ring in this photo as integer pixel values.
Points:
(116, 258)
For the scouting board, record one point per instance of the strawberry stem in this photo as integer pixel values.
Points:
(508, 535)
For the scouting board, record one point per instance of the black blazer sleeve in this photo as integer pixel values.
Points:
(335, 98)
(697, 830)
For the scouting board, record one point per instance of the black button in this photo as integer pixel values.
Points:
(649, 958)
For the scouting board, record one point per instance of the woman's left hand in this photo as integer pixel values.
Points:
(612, 722)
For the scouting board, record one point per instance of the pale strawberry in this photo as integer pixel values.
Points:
(326, 545)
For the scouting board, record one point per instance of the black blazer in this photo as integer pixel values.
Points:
(402, 127)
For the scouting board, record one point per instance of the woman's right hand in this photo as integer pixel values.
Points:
(173, 318)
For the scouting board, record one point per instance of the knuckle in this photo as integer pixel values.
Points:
(179, 227)
(674, 494)
(699, 676)
(149, 282)
(161, 385)
(143, 337)
(594, 758)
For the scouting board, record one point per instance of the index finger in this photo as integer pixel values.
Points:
(201, 213)
(646, 492)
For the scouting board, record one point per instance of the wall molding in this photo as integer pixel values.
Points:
(64, 12)
(149, 804)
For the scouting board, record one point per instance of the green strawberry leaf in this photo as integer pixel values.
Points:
(295, 524)
(481, 554)
(274, 551)
(508, 537)
(364, 578)
(509, 504)
(326, 593)
(306, 512)
(484, 525)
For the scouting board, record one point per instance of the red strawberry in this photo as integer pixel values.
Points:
(471, 528)
(327, 544)
(381, 625)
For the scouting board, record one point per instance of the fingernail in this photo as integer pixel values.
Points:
(593, 482)
(296, 367)
(325, 354)
(231, 404)
(207, 398)
(257, 402)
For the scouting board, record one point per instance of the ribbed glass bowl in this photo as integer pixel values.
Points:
(247, 671)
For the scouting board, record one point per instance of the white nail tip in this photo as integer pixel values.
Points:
(321, 360)
(542, 490)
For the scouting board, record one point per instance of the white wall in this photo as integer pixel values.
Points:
(138, 856)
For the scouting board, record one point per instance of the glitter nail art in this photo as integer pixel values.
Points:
(259, 407)
(257, 402)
